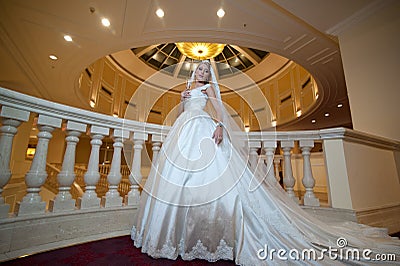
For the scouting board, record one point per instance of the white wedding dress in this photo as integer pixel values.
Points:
(202, 201)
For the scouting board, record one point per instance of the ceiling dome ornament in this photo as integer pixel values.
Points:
(200, 50)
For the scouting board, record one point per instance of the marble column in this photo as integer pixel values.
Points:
(156, 141)
(253, 156)
(288, 178)
(89, 199)
(269, 148)
(136, 176)
(11, 118)
(308, 179)
(277, 162)
(112, 197)
(36, 176)
(64, 201)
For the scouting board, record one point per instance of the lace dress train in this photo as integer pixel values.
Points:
(200, 202)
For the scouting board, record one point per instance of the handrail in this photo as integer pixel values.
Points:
(40, 106)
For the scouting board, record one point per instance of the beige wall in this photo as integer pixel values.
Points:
(373, 176)
(371, 61)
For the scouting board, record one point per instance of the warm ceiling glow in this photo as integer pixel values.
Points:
(68, 38)
(105, 22)
(220, 13)
(53, 57)
(160, 13)
(200, 50)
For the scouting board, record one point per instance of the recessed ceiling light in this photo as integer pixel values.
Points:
(273, 123)
(68, 38)
(298, 113)
(316, 96)
(105, 22)
(160, 13)
(220, 13)
(92, 104)
(53, 57)
(313, 121)
(340, 105)
(326, 114)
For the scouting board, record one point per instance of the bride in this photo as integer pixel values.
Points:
(202, 200)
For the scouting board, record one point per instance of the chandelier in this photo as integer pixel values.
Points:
(200, 50)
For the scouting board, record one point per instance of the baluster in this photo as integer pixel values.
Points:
(308, 179)
(89, 199)
(288, 178)
(10, 119)
(36, 176)
(136, 176)
(277, 162)
(156, 141)
(269, 148)
(253, 155)
(112, 197)
(64, 201)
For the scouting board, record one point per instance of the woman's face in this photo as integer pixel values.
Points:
(202, 73)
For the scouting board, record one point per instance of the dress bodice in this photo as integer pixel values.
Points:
(197, 100)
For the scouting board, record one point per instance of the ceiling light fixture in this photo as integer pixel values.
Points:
(313, 121)
(53, 57)
(68, 38)
(92, 104)
(220, 13)
(298, 113)
(340, 105)
(273, 123)
(160, 13)
(200, 50)
(326, 114)
(105, 22)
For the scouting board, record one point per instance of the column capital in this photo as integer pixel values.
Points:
(306, 143)
(96, 130)
(13, 113)
(140, 136)
(44, 120)
(120, 133)
(75, 126)
(287, 143)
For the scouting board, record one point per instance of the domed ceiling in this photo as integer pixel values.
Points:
(231, 60)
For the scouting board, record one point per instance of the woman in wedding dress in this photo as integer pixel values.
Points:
(202, 200)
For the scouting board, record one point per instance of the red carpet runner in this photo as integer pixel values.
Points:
(113, 251)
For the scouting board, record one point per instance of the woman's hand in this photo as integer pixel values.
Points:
(185, 95)
(218, 133)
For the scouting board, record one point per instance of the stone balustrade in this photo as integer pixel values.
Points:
(275, 150)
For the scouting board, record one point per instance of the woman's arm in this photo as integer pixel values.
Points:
(218, 133)
(184, 95)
